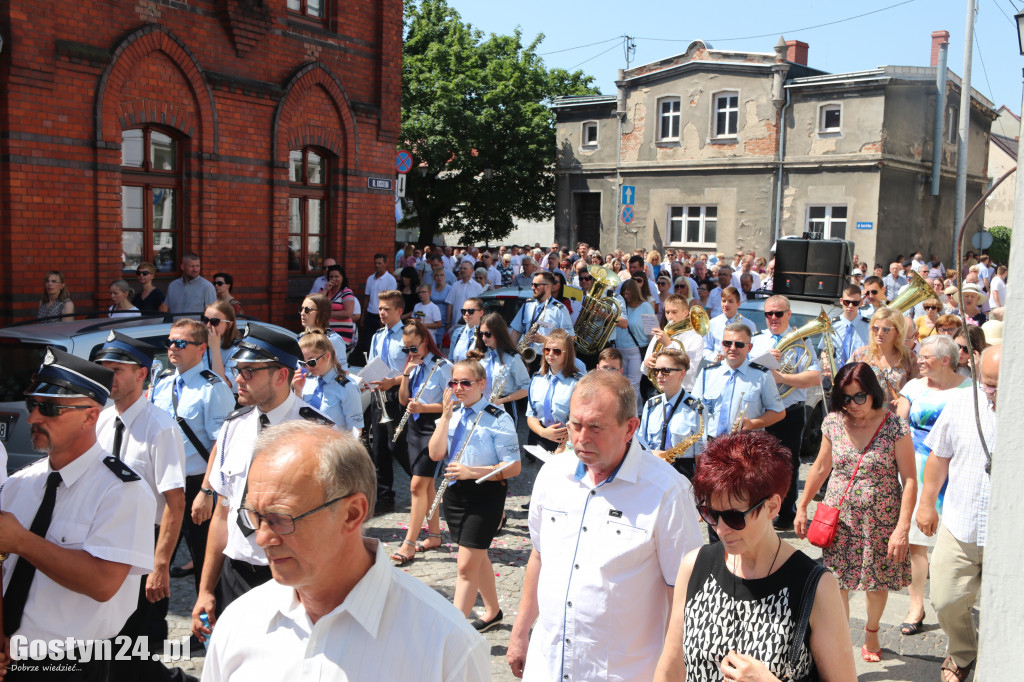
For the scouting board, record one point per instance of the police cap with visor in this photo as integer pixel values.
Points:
(63, 375)
(125, 349)
(262, 344)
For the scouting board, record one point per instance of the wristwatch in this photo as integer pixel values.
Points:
(207, 492)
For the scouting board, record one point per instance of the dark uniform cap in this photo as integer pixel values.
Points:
(125, 349)
(63, 374)
(262, 344)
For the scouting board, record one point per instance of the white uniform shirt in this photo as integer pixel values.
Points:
(375, 285)
(608, 554)
(716, 332)
(152, 445)
(230, 470)
(99, 513)
(458, 294)
(391, 626)
(765, 341)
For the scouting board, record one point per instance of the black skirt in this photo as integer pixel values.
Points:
(473, 511)
(420, 430)
(549, 445)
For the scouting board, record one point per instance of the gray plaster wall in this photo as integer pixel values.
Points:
(857, 190)
(572, 153)
(862, 115)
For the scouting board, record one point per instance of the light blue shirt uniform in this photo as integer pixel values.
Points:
(683, 421)
(494, 441)
(849, 336)
(716, 331)
(338, 343)
(719, 387)
(434, 391)
(634, 336)
(464, 339)
(336, 397)
(764, 341)
(204, 402)
(549, 397)
(516, 378)
(387, 345)
(553, 316)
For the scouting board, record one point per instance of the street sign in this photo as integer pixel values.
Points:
(380, 183)
(865, 226)
(403, 162)
(400, 187)
(628, 195)
(982, 239)
(627, 214)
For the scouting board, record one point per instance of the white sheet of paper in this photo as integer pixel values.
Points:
(377, 370)
(767, 360)
(539, 452)
(504, 466)
(650, 322)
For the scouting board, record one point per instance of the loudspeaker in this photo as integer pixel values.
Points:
(818, 268)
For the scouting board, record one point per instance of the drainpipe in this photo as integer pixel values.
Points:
(940, 115)
(779, 71)
(782, 152)
(620, 113)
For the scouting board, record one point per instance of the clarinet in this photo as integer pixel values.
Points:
(405, 417)
(458, 458)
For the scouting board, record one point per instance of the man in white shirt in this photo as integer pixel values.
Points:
(464, 289)
(320, 283)
(335, 610)
(380, 280)
(449, 259)
(493, 276)
(609, 527)
(746, 268)
(715, 297)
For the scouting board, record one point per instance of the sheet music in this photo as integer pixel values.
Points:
(539, 452)
(650, 322)
(767, 360)
(504, 466)
(376, 371)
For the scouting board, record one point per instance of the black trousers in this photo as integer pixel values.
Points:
(237, 578)
(195, 535)
(790, 431)
(382, 449)
(371, 323)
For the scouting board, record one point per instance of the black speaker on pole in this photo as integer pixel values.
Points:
(812, 267)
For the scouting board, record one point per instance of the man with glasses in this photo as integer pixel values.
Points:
(320, 283)
(266, 361)
(672, 416)
(190, 293)
(789, 430)
(610, 360)
(525, 278)
(609, 524)
(542, 310)
(472, 313)
(199, 401)
(730, 305)
(78, 524)
(957, 560)
(874, 292)
(851, 328)
(462, 290)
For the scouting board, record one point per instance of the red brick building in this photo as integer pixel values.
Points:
(244, 130)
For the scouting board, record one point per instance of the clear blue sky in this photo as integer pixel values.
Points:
(900, 35)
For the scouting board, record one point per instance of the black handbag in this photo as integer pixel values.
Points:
(800, 633)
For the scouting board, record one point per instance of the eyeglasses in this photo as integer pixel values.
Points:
(306, 310)
(486, 335)
(410, 349)
(538, 284)
(219, 284)
(141, 273)
(246, 372)
(884, 331)
(775, 313)
(851, 303)
(858, 398)
(282, 524)
(873, 292)
(310, 363)
(180, 344)
(554, 351)
(738, 344)
(51, 409)
(470, 311)
(735, 519)
(932, 307)
(464, 383)
(990, 390)
(963, 349)
(212, 321)
(948, 330)
(666, 371)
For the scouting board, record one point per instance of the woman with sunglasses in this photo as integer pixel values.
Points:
(480, 277)
(631, 336)
(870, 453)
(927, 324)
(887, 354)
(222, 283)
(495, 350)
(737, 602)
(978, 343)
(222, 330)
(547, 410)
(921, 402)
(474, 510)
(149, 298)
(343, 315)
(671, 417)
(324, 384)
(314, 315)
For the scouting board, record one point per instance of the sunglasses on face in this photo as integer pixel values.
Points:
(464, 383)
(665, 371)
(469, 311)
(586, 278)
(775, 313)
(410, 349)
(737, 344)
(554, 351)
(735, 519)
(536, 285)
(884, 331)
(219, 284)
(858, 398)
(638, 280)
(306, 310)
(851, 303)
(873, 292)
(963, 349)
(486, 335)
(933, 307)
(212, 321)
(141, 273)
(311, 363)
(51, 409)
(246, 372)
(180, 344)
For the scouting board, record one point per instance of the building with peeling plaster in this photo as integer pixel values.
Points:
(730, 150)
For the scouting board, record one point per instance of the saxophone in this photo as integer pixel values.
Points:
(670, 455)
(529, 354)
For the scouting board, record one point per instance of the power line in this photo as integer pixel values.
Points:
(593, 58)
(1014, 6)
(579, 47)
(984, 70)
(794, 30)
(999, 7)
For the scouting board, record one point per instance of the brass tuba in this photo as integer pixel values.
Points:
(697, 320)
(917, 291)
(599, 314)
(791, 343)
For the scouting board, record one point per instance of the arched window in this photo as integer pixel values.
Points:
(151, 160)
(307, 209)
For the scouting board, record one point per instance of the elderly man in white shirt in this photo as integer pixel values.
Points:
(609, 527)
(335, 610)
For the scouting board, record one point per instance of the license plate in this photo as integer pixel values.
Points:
(3, 431)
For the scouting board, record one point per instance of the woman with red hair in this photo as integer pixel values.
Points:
(737, 602)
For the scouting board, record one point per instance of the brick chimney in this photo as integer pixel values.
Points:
(796, 52)
(939, 38)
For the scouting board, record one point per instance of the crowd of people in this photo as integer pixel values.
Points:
(685, 411)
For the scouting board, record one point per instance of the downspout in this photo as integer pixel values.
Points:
(779, 71)
(620, 113)
(782, 151)
(940, 115)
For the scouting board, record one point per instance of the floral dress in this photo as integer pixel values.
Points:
(892, 379)
(871, 510)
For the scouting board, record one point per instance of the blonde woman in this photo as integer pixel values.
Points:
(222, 328)
(121, 300)
(322, 383)
(887, 354)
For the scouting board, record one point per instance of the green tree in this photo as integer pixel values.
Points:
(470, 104)
(999, 252)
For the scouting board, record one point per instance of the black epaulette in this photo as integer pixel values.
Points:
(166, 373)
(240, 411)
(759, 367)
(342, 379)
(712, 365)
(577, 376)
(120, 469)
(555, 302)
(690, 401)
(655, 400)
(210, 376)
(494, 410)
(311, 415)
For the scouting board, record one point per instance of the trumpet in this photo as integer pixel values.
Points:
(385, 418)
(529, 354)
(737, 425)
(458, 458)
(405, 417)
(697, 320)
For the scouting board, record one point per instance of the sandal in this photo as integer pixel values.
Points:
(420, 547)
(950, 665)
(401, 559)
(910, 628)
(867, 654)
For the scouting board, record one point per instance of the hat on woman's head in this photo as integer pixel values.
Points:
(993, 331)
(972, 288)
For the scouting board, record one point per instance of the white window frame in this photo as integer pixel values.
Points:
(715, 110)
(683, 219)
(677, 115)
(828, 219)
(826, 108)
(587, 125)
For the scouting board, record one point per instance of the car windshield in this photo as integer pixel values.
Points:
(18, 362)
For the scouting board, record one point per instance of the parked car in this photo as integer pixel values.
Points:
(23, 346)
